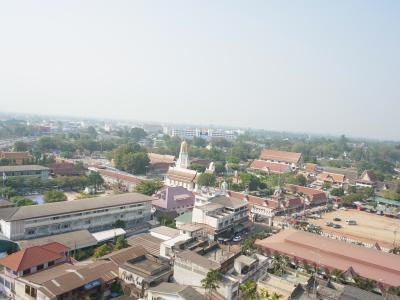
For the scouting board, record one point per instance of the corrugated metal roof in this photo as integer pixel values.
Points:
(50, 209)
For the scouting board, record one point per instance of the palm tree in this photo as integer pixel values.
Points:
(264, 294)
(248, 290)
(337, 275)
(275, 296)
(210, 282)
(363, 283)
(279, 265)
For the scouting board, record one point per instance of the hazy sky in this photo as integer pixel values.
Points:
(310, 66)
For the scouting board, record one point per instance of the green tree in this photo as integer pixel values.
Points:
(394, 290)
(248, 290)
(20, 146)
(120, 224)
(364, 283)
(279, 265)
(206, 179)
(149, 187)
(250, 181)
(131, 158)
(21, 201)
(121, 243)
(337, 275)
(54, 196)
(137, 133)
(166, 219)
(211, 282)
(197, 167)
(95, 180)
(337, 192)
(101, 251)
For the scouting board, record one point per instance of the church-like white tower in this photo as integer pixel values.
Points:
(183, 159)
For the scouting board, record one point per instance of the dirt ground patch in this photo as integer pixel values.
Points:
(370, 228)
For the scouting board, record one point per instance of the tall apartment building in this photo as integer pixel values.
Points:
(94, 214)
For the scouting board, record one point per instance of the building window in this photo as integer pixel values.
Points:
(27, 271)
(51, 263)
(40, 267)
(31, 231)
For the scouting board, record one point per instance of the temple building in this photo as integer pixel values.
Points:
(180, 175)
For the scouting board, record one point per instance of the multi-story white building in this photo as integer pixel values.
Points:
(221, 214)
(205, 133)
(94, 214)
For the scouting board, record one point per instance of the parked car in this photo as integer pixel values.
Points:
(337, 226)
(329, 224)
(351, 222)
(337, 219)
(237, 238)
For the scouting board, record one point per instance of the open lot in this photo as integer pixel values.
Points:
(370, 228)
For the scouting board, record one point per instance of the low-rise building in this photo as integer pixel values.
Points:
(367, 179)
(30, 261)
(94, 214)
(173, 291)
(334, 179)
(65, 169)
(159, 163)
(174, 199)
(312, 197)
(222, 214)
(268, 167)
(142, 272)
(191, 267)
(292, 159)
(25, 171)
(17, 158)
(124, 181)
(74, 240)
(68, 282)
(328, 255)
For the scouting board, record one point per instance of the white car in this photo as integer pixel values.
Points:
(237, 238)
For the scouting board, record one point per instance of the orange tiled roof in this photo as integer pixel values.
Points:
(32, 256)
(332, 177)
(284, 156)
(269, 167)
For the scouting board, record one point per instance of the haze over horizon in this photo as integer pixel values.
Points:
(318, 67)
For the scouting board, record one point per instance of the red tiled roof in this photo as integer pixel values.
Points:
(55, 247)
(284, 156)
(156, 158)
(268, 202)
(309, 167)
(32, 256)
(314, 195)
(333, 254)
(269, 167)
(332, 177)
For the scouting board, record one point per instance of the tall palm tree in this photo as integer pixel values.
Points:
(210, 282)
(248, 290)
